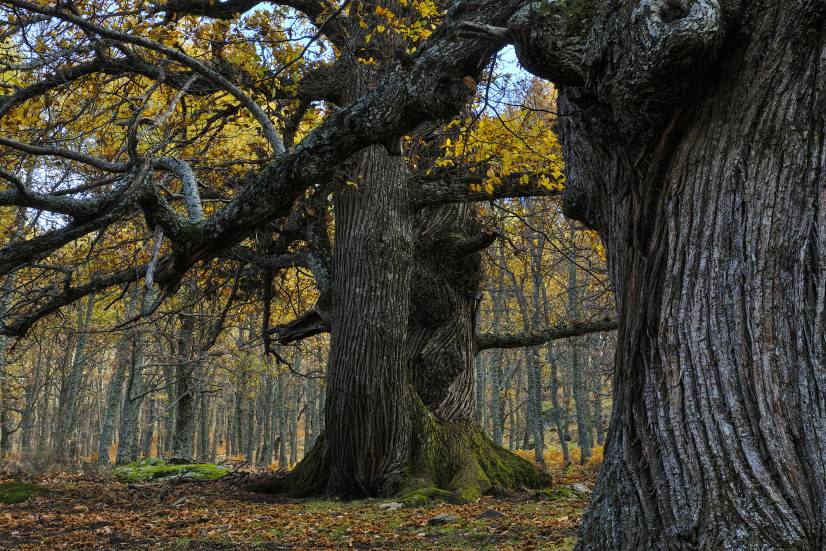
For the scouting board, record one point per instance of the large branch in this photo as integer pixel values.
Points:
(20, 324)
(307, 325)
(434, 88)
(16, 254)
(311, 323)
(486, 341)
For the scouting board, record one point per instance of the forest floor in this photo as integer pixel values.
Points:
(88, 513)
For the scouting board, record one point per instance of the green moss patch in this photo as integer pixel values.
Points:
(423, 496)
(458, 458)
(18, 492)
(155, 469)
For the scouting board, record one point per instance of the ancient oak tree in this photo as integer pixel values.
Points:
(693, 134)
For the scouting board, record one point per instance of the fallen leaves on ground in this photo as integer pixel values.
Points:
(82, 513)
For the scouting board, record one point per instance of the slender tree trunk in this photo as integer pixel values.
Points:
(128, 443)
(168, 370)
(512, 422)
(203, 424)
(27, 422)
(599, 421)
(264, 458)
(480, 379)
(309, 410)
(216, 432)
(560, 415)
(43, 415)
(133, 397)
(114, 398)
(293, 428)
(70, 398)
(537, 245)
(238, 407)
(148, 432)
(183, 436)
(249, 432)
(281, 408)
(577, 367)
(496, 367)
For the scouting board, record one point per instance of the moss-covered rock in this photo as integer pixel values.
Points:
(18, 492)
(155, 469)
(423, 496)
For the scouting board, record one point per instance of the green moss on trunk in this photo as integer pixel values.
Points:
(460, 459)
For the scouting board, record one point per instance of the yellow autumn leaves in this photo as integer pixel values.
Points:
(518, 142)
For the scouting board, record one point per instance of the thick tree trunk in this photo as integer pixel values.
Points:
(430, 389)
(706, 181)
(368, 417)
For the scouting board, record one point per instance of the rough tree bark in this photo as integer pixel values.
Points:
(693, 134)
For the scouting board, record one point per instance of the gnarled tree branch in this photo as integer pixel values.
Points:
(487, 341)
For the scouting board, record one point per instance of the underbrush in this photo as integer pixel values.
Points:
(555, 461)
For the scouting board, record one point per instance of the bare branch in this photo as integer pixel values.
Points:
(52, 151)
(487, 341)
(256, 111)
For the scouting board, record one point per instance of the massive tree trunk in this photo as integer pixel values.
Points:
(399, 410)
(399, 400)
(368, 420)
(694, 139)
